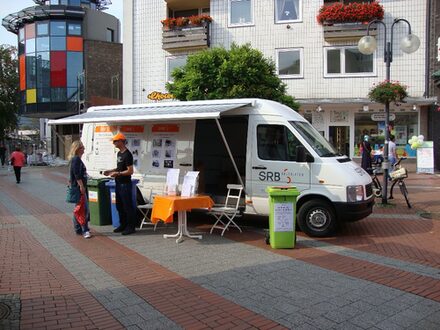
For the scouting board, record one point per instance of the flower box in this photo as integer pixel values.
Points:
(350, 13)
(348, 31)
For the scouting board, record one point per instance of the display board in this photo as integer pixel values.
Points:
(425, 158)
(103, 148)
(134, 133)
(163, 151)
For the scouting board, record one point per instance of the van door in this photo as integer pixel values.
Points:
(274, 162)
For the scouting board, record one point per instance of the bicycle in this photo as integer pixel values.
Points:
(397, 177)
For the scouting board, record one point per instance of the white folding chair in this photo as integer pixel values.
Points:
(146, 211)
(226, 213)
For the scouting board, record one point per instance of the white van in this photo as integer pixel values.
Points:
(253, 142)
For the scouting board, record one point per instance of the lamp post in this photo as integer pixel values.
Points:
(367, 45)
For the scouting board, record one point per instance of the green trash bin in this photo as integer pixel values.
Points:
(99, 202)
(282, 215)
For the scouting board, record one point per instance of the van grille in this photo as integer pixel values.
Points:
(368, 190)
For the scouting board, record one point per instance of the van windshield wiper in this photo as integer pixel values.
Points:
(328, 154)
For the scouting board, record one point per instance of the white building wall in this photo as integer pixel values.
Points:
(149, 60)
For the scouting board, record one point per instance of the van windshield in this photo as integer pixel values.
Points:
(321, 146)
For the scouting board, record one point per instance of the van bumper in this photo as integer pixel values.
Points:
(354, 211)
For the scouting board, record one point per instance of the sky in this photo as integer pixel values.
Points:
(12, 6)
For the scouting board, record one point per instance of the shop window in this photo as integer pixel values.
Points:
(289, 63)
(287, 11)
(110, 35)
(30, 72)
(57, 28)
(240, 12)
(75, 67)
(74, 29)
(43, 95)
(42, 29)
(347, 61)
(75, 44)
(43, 44)
(58, 43)
(30, 31)
(22, 71)
(58, 94)
(43, 69)
(31, 96)
(58, 69)
(30, 46)
(174, 62)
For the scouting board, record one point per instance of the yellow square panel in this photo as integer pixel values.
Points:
(31, 96)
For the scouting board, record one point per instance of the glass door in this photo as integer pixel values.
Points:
(339, 137)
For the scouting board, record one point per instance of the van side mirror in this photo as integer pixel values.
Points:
(302, 156)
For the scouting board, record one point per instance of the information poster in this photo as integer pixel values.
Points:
(283, 217)
(425, 158)
(133, 133)
(163, 151)
(103, 147)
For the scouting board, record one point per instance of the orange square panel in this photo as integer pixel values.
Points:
(75, 44)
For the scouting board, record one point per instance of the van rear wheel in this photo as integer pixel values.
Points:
(317, 218)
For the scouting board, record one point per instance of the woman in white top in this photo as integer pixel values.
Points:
(392, 156)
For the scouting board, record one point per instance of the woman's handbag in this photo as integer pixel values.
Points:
(73, 194)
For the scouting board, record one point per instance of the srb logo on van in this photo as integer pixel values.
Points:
(285, 176)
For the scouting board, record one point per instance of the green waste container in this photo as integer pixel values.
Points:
(99, 202)
(282, 214)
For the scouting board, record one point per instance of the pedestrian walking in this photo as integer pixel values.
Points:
(392, 155)
(2, 154)
(366, 154)
(122, 174)
(18, 160)
(78, 177)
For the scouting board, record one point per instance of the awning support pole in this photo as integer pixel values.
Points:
(229, 152)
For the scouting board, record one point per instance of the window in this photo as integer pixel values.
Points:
(31, 79)
(57, 28)
(240, 12)
(58, 43)
(110, 35)
(174, 62)
(347, 61)
(75, 67)
(276, 142)
(74, 29)
(42, 44)
(29, 31)
(30, 46)
(319, 144)
(43, 69)
(58, 94)
(57, 69)
(74, 2)
(42, 29)
(289, 63)
(43, 95)
(287, 11)
(185, 13)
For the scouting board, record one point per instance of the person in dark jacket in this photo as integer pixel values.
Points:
(366, 154)
(78, 176)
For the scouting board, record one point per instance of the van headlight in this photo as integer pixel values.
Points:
(355, 193)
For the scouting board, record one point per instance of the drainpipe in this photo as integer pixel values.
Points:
(428, 48)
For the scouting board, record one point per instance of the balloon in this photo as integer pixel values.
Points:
(414, 146)
(413, 139)
(419, 144)
(409, 141)
(421, 137)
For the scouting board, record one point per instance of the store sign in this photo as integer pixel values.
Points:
(158, 96)
(381, 116)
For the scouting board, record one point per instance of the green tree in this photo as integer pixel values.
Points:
(217, 73)
(9, 89)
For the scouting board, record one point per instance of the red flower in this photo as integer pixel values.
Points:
(353, 12)
(195, 20)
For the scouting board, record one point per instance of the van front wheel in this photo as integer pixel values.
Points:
(316, 218)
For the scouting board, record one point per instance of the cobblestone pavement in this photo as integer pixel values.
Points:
(379, 273)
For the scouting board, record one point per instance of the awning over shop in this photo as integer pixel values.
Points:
(153, 112)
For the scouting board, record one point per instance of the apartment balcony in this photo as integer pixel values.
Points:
(188, 37)
(347, 31)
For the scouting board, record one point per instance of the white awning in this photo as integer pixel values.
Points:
(153, 112)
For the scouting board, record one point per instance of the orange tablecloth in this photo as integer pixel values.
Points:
(165, 206)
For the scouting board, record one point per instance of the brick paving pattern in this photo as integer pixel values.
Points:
(379, 273)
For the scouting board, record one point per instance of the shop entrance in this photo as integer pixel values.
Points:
(339, 137)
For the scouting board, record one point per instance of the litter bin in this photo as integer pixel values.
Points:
(282, 214)
(99, 202)
(112, 198)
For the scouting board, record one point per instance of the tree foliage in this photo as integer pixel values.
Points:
(9, 89)
(217, 73)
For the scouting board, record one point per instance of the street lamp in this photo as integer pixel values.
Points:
(367, 45)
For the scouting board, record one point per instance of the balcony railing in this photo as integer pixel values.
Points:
(347, 31)
(188, 37)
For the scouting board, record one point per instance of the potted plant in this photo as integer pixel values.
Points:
(350, 13)
(180, 22)
(388, 91)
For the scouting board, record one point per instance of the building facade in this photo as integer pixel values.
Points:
(70, 57)
(320, 64)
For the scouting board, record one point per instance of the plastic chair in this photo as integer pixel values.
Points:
(226, 213)
(146, 211)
